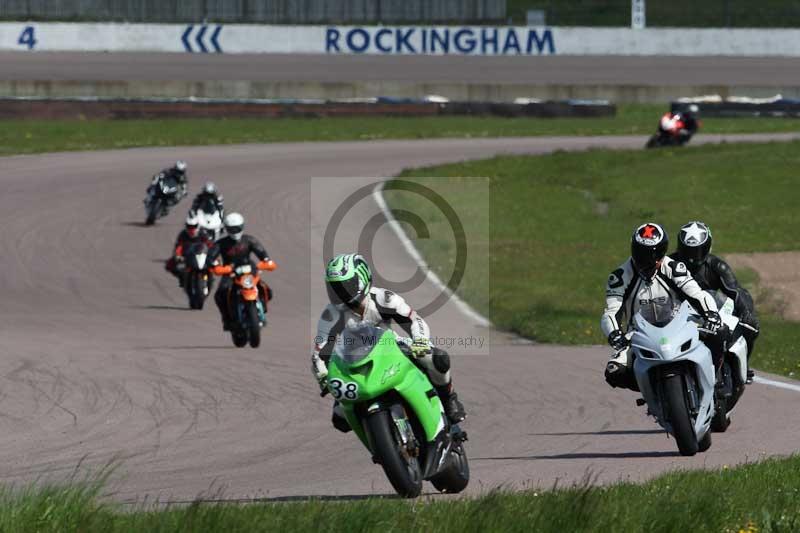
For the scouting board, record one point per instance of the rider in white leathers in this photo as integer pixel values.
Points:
(650, 276)
(354, 302)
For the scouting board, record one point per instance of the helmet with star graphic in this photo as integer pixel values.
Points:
(648, 247)
(694, 243)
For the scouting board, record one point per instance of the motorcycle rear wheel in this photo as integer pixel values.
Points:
(456, 477)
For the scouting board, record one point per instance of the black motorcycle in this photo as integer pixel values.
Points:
(197, 280)
(163, 193)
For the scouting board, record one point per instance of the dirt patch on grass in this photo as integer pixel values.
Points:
(779, 276)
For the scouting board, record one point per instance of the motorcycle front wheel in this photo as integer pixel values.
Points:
(152, 213)
(253, 324)
(404, 471)
(679, 417)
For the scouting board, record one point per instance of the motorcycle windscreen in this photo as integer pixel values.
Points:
(659, 311)
(356, 343)
(208, 207)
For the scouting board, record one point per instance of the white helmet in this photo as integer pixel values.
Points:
(234, 225)
(181, 166)
(192, 224)
(210, 188)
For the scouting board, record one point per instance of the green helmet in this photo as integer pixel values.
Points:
(348, 279)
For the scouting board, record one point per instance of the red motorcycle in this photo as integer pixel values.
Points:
(674, 129)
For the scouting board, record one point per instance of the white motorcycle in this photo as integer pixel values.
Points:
(209, 218)
(675, 373)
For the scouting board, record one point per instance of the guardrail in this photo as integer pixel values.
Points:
(120, 108)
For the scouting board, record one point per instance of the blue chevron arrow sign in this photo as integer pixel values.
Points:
(203, 47)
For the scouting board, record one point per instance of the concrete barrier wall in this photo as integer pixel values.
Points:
(438, 40)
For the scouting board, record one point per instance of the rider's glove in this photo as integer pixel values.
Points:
(421, 347)
(713, 321)
(617, 340)
(320, 371)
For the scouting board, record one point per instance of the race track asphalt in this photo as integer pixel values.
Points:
(102, 360)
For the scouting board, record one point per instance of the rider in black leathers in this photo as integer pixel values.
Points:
(233, 249)
(179, 172)
(712, 273)
(191, 233)
(209, 192)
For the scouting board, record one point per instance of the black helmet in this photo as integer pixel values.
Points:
(648, 247)
(694, 243)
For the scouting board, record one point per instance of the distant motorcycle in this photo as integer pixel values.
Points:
(674, 129)
(162, 194)
(196, 272)
(247, 300)
(209, 218)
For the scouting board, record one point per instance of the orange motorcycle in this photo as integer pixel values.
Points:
(247, 300)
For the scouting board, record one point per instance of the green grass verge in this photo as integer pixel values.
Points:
(561, 222)
(755, 497)
(35, 136)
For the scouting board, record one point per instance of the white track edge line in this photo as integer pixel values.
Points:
(777, 384)
(377, 194)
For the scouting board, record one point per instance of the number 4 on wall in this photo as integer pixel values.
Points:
(27, 38)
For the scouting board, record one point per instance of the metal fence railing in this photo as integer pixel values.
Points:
(259, 11)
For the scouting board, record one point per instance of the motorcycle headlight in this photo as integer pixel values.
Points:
(243, 269)
(247, 282)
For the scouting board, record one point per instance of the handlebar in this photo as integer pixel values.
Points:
(267, 265)
(223, 270)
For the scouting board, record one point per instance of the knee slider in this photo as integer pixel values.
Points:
(441, 360)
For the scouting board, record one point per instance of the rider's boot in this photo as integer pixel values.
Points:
(619, 371)
(453, 407)
(338, 420)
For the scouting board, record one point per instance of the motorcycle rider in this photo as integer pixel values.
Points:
(234, 249)
(650, 276)
(177, 171)
(354, 301)
(714, 274)
(690, 124)
(189, 234)
(209, 192)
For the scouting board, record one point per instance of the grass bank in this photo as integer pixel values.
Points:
(36, 136)
(756, 497)
(560, 223)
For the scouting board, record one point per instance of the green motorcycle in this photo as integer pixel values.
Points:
(395, 411)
